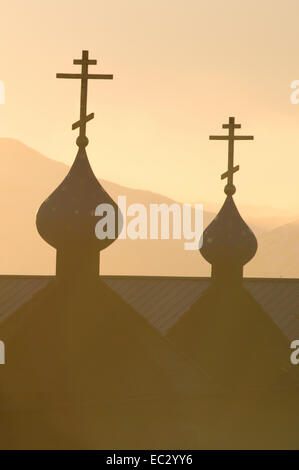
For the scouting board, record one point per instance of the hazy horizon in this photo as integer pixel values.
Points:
(27, 178)
(250, 209)
(180, 70)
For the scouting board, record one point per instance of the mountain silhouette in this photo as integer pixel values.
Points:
(278, 252)
(27, 177)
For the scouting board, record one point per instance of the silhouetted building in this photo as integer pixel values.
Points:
(230, 335)
(132, 362)
(84, 369)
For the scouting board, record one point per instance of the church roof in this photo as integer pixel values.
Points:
(78, 350)
(163, 300)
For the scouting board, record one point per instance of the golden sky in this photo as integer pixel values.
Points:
(181, 68)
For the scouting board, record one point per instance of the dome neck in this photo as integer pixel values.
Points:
(83, 263)
(227, 276)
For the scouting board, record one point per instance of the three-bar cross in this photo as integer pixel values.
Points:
(84, 76)
(231, 137)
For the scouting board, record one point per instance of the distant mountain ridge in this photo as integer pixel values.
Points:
(278, 252)
(27, 178)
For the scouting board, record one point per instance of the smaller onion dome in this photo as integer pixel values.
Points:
(228, 242)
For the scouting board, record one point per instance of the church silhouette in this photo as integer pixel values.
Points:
(108, 362)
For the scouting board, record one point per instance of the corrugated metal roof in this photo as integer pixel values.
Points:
(16, 290)
(163, 300)
(280, 299)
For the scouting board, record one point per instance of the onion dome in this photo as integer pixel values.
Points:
(228, 242)
(66, 220)
(67, 217)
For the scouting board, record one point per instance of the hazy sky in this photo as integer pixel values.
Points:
(181, 68)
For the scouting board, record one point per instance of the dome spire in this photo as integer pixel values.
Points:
(228, 242)
(230, 189)
(84, 76)
(66, 220)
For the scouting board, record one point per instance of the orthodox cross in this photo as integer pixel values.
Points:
(231, 137)
(84, 76)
